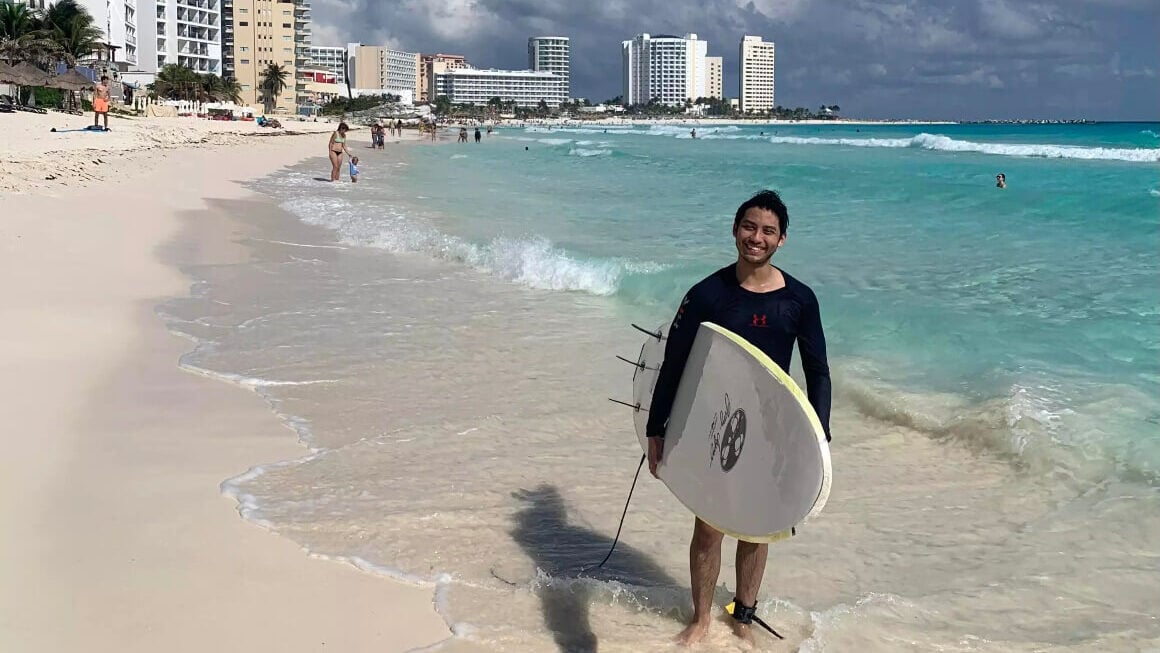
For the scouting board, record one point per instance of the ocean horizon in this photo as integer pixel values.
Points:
(442, 337)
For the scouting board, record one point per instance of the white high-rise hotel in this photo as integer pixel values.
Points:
(183, 32)
(757, 74)
(669, 69)
(551, 54)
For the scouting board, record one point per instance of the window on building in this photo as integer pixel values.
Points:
(244, 61)
(288, 25)
(245, 49)
(244, 24)
(243, 10)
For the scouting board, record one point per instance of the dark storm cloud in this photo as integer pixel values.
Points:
(875, 58)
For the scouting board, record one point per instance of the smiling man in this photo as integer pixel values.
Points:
(772, 310)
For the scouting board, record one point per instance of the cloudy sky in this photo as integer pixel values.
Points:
(967, 59)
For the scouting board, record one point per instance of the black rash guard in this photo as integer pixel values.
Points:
(770, 320)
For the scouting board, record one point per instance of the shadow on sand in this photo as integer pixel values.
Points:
(564, 551)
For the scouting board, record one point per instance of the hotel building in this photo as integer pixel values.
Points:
(715, 65)
(183, 32)
(117, 20)
(525, 87)
(552, 54)
(757, 74)
(262, 32)
(669, 69)
(433, 65)
(376, 67)
(329, 58)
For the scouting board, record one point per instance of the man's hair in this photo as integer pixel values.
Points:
(767, 200)
(104, 78)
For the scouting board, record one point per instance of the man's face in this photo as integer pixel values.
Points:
(758, 236)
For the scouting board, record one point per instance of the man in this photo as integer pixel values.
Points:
(771, 310)
(101, 102)
(1000, 180)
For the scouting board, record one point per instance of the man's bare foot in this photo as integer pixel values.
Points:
(693, 633)
(743, 632)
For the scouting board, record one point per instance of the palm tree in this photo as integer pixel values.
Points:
(17, 20)
(72, 27)
(271, 83)
(174, 82)
(231, 90)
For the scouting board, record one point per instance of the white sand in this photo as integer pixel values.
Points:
(115, 535)
(31, 153)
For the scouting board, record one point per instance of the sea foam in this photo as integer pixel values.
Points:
(533, 261)
(942, 143)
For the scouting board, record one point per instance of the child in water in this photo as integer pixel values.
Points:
(354, 169)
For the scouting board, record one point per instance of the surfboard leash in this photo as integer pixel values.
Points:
(625, 513)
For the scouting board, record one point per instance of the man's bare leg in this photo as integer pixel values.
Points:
(704, 567)
(750, 570)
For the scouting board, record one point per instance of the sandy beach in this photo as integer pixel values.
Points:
(117, 536)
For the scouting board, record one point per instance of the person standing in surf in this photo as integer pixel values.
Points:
(772, 310)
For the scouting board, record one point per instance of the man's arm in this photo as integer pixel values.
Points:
(682, 333)
(812, 344)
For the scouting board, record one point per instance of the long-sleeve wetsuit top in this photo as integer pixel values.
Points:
(772, 321)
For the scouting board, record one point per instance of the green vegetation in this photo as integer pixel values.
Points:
(340, 105)
(64, 32)
(174, 82)
(271, 83)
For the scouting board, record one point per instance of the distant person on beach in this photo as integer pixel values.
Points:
(477, 134)
(771, 310)
(354, 169)
(1000, 180)
(101, 102)
(693, 133)
(336, 148)
(462, 135)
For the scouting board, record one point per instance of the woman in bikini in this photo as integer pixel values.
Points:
(336, 148)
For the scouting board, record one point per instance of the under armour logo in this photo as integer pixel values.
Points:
(759, 321)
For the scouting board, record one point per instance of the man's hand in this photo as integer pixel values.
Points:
(656, 448)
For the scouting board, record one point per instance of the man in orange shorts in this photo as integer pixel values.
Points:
(101, 102)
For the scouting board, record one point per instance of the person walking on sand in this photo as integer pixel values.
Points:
(101, 102)
(336, 148)
(772, 310)
(477, 134)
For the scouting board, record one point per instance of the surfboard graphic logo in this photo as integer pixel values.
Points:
(727, 435)
(733, 440)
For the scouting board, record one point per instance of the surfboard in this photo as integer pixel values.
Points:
(744, 450)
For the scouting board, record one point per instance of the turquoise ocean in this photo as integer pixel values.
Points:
(441, 336)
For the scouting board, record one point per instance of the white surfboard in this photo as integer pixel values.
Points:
(744, 450)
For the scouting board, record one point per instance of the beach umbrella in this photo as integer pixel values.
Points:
(27, 74)
(7, 74)
(70, 81)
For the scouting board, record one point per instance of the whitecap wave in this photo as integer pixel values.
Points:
(587, 151)
(533, 261)
(938, 142)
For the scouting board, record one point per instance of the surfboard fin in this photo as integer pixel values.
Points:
(655, 334)
(635, 407)
(639, 366)
(746, 615)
